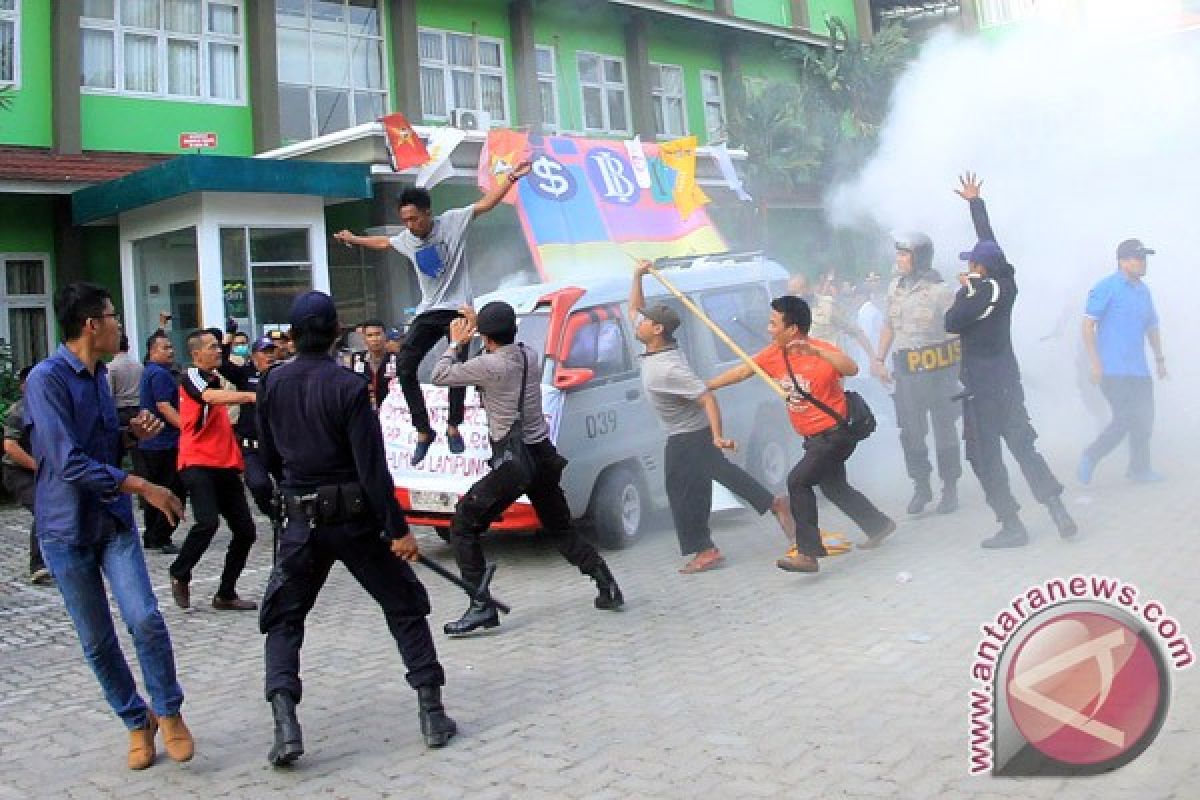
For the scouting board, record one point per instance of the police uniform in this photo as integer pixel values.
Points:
(925, 365)
(994, 404)
(498, 376)
(245, 378)
(339, 505)
(830, 322)
(379, 379)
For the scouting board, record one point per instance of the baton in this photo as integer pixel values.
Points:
(479, 594)
(720, 334)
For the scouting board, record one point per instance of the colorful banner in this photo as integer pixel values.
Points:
(583, 212)
(502, 151)
(680, 155)
(404, 145)
(442, 143)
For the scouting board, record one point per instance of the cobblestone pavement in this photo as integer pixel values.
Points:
(742, 682)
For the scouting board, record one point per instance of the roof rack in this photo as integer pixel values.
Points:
(700, 259)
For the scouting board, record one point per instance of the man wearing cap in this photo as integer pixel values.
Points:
(1119, 320)
(691, 417)
(924, 371)
(994, 401)
(436, 247)
(245, 378)
(395, 340)
(375, 364)
(340, 505)
(497, 373)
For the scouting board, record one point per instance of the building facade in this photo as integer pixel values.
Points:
(97, 90)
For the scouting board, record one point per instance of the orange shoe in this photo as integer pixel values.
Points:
(177, 739)
(141, 744)
(703, 561)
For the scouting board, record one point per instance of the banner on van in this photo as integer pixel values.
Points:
(584, 212)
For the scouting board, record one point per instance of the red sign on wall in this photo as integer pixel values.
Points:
(197, 140)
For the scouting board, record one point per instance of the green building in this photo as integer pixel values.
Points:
(104, 98)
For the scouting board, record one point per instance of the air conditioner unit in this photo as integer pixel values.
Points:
(468, 119)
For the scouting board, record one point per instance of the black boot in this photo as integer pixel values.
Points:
(477, 615)
(922, 494)
(288, 742)
(1012, 533)
(949, 502)
(608, 594)
(436, 727)
(1058, 512)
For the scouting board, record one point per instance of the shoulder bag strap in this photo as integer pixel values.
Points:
(807, 396)
(524, 376)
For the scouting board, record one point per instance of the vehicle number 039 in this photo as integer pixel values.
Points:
(601, 424)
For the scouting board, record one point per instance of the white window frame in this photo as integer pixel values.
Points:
(447, 69)
(993, 13)
(250, 264)
(605, 86)
(203, 39)
(14, 17)
(350, 91)
(9, 301)
(659, 97)
(550, 79)
(718, 102)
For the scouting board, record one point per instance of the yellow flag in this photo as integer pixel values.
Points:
(680, 155)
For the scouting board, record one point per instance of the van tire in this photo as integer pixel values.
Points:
(618, 508)
(769, 462)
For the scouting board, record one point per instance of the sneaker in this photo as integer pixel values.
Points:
(1087, 466)
(795, 561)
(41, 577)
(703, 561)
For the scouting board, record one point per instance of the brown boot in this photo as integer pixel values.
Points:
(141, 744)
(177, 739)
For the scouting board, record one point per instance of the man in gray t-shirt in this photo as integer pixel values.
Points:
(692, 419)
(436, 247)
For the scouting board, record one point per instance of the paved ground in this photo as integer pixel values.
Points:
(744, 682)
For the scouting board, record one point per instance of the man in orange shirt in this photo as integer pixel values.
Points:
(816, 368)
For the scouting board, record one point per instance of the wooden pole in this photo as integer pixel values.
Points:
(720, 334)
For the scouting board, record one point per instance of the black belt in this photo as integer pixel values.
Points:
(336, 502)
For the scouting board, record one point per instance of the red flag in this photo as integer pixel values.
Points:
(502, 151)
(404, 145)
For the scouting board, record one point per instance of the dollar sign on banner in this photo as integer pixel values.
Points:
(552, 180)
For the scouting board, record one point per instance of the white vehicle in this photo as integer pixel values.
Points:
(599, 415)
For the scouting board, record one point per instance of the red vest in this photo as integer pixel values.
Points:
(205, 434)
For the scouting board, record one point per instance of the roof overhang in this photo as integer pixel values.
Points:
(210, 173)
(798, 35)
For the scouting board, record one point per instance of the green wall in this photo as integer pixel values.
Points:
(772, 12)
(27, 121)
(153, 126)
(480, 17)
(26, 223)
(102, 260)
(563, 27)
(694, 48)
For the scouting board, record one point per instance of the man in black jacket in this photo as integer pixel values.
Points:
(994, 401)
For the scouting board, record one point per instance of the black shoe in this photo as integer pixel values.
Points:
(1067, 528)
(1012, 533)
(436, 727)
(455, 442)
(289, 744)
(608, 594)
(949, 502)
(169, 549)
(922, 495)
(422, 449)
(477, 615)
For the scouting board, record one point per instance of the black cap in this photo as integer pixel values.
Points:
(313, 305)
(1133, 248)
(663, 315)
(496, 317)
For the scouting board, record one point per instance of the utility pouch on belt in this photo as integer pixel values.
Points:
(354, 501)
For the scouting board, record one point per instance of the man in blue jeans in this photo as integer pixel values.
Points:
(85, 520)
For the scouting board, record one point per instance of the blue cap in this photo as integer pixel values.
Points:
(394, 335)
(986, 253)
(264, 342)
(313, 305)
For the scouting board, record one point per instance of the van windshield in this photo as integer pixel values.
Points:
(532, 330)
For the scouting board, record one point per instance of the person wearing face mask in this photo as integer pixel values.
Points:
(924, 370)
(994, 401)
(239, 348)
(245, 378)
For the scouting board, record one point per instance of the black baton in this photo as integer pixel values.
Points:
(481, 594)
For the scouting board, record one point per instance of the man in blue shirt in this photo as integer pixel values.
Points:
(85, 520)
(155, 459)
(1120, 319)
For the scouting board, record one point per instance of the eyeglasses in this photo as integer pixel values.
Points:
(112, 314)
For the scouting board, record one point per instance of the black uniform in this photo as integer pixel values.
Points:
(379, 379)
(994, 406)
(320, 439)
(246, 377)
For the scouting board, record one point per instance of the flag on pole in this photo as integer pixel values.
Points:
(680, 155)
(502, 151)
(404, 145)
(442, 143)
(720, 154)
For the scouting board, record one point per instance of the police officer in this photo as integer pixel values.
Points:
(497, 372)
(924, 370)
(246, 377)
(377, 364)
(339, 506)
(994, 404)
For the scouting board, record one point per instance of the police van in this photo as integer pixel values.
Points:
(599, 415)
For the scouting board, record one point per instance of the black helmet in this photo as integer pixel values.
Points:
(921, 247)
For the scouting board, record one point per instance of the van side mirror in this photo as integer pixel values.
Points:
(572, 377)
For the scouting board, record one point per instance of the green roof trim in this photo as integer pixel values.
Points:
(209, 173)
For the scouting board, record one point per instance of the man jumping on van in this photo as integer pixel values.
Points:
(691, 417)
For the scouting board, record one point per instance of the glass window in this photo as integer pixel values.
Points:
(666, 89)
(605, 101)
(462, 71)
(164, 48)
(10, 42)
(714, 106)
(262, 270)
(600, 347)
(547, 77)
(743, 314)
(331, 52)
(25, 307)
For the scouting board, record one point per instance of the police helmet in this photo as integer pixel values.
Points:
(921, 247)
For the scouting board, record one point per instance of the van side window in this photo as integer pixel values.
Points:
(742, 313)
(599, 345)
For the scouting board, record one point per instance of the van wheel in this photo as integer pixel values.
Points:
(618, 505)
(769, 463)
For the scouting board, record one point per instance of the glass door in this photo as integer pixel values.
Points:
(166, 273)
